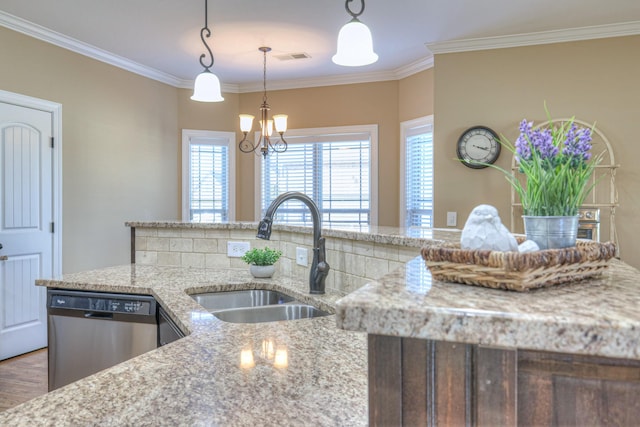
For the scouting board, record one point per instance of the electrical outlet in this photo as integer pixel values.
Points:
(237, 249)
(301, 256)
(452, 219)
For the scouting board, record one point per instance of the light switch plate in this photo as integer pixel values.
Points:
(452, 219)
(237, 249)
(302, 256)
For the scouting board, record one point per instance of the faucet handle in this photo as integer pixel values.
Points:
(321, 250)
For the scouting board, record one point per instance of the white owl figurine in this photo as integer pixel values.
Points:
(484, 230)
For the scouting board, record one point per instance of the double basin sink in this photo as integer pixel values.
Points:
(255, 306)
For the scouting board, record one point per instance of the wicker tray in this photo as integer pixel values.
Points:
(515, 271)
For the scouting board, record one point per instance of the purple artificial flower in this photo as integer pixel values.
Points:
(578, 143)
(523, 151)
(541, 141)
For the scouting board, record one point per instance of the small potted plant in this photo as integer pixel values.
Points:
(261, 261)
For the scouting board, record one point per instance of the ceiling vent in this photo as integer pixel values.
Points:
(290, 56)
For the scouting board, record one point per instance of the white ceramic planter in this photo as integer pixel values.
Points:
(262, 271)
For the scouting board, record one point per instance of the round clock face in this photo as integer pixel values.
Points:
(478, 147)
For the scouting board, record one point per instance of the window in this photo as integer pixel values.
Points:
(208, 176)
(416, 193)
(336, 167)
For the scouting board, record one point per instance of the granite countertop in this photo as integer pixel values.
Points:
(410, 236)
(198, 380)
(597, 317)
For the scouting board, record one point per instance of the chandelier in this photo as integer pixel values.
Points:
(265, 142)
(207, 85)
(355, 45)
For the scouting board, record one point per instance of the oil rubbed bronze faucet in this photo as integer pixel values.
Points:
(319, 266)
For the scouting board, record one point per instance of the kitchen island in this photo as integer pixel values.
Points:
(435, 353)
(202, 379)
(452, 354)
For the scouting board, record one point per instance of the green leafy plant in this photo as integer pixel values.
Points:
(258, 256)
(557, 164)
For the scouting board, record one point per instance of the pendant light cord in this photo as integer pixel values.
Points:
(264, 50)
(264, 77)
(206, 32)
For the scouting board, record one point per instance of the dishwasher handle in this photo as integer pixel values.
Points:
(98, 315)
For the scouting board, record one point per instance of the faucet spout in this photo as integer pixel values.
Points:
(319, 267)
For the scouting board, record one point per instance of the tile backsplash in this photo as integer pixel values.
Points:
(353, 262)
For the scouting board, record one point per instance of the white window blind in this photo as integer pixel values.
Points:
(418, 142)
(334, 170)
(209, 179)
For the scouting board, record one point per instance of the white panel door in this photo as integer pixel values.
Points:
(25, 227)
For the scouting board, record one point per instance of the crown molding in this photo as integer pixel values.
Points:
(41, 33)
(414, 68)
(379, 76)
(318, 82)
(44, 34)
(546, 37)
(543, 37)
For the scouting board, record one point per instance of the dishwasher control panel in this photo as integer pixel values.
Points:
(101, 302)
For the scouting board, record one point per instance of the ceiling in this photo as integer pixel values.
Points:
(161, 38)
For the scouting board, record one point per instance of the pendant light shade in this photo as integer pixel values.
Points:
(207, 88)
(207, 85)
(355, 44)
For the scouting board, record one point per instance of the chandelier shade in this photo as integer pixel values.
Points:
(246, 122)
(280, 121)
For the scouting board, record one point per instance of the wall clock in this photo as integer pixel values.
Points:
(478, 147)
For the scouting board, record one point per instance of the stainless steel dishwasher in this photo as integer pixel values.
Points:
(92, 331)
(168, 331)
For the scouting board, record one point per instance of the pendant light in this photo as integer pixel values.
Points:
(355, 44)
(207, 85)
(265, 142)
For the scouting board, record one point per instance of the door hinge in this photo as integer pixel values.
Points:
(52, 227)
(51, 142)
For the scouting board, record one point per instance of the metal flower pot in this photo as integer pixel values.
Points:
(551, 232)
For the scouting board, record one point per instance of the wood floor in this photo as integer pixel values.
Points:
(22, 378)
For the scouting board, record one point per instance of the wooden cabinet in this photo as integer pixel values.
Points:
(418, 382)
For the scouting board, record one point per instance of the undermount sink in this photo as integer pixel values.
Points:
(255, 306)
(270, 313)
(213, 301)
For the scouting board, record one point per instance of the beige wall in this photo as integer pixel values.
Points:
(597, 81)
(358, 104)
(416, 96)
(121, 131)
(382, 103)
(119, 145)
